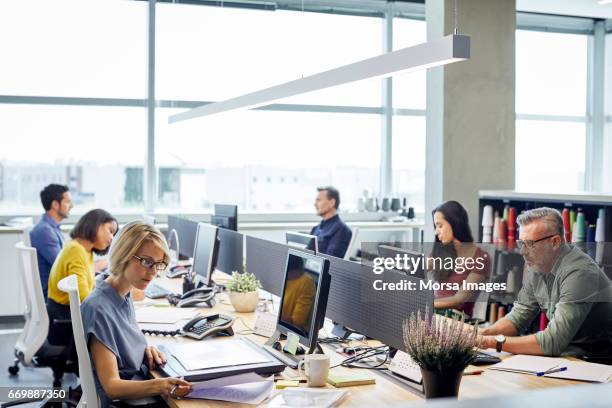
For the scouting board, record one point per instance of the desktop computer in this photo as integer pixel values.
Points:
(303, 303)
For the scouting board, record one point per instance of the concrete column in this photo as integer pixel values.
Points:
(471, 107)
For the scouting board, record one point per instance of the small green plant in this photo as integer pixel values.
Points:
(438, 343)
(243, 282)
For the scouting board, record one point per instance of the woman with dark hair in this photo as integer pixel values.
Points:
(454, 241)
(91, 235)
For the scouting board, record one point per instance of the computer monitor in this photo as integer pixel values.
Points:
(267, 260)
(304, 298)
(226, 216)
(413, 260)
(356, 305)
(206, 251)
(305, 242)
(185, 233)
(230, 251)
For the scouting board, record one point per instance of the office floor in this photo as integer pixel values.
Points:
(28, 376)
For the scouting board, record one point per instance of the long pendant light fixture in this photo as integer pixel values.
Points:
(445, 50)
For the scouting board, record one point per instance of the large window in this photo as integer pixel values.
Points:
(94, 48)
(214, 53)
(268, 161)
(89, 52)
(73, 91)
(91, 149)
(551, 101)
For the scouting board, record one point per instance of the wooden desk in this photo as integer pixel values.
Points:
(385, 391)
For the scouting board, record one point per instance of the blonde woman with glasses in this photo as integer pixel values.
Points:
(118, 349)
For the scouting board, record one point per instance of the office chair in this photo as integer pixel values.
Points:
(89, 397)
(25, 235)
(351, 249)
(31, 347)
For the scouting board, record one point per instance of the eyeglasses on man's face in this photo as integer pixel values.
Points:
(530, 244)
(151, 264)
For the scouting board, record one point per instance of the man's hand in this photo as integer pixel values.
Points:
(485, 342)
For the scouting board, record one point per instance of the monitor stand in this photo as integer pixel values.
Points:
(273, 347)
(341, 331)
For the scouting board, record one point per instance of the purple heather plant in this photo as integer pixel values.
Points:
(438, 343)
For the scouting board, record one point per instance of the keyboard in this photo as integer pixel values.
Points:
(154, 291)
(484, 359)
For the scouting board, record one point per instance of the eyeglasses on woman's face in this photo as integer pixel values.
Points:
(151, 264)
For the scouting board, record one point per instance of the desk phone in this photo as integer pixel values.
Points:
(200, 327)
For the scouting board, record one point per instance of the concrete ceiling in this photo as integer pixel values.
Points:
(579, 8)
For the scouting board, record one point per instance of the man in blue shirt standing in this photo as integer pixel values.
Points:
(332, 234)
(46, 236)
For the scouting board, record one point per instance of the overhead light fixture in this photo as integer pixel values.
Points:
(434, 53)
(602, 2)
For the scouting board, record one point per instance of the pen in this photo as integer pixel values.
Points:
(551, 371)
(478, 372)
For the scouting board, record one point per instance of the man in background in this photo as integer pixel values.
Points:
(332, 233)
(46, 236)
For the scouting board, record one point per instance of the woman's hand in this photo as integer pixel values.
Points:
(155, 358)
(173, 387)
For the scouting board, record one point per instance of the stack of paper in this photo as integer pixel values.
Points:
(248, 388)
(166, 315)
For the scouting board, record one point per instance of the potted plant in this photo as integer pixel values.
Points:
(442, 348)
(243, 291)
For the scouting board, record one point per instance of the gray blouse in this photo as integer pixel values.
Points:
(111, 319)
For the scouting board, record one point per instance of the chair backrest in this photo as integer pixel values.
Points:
(350, 250)
(36, 326)
(26, 235)
(89, 398)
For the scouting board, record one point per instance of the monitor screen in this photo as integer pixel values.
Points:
(302, 241)
(304, 298)
(226, 216)
(206, 248)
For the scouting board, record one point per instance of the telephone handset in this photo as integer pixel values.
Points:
(203, 326)
(194, 297)
(200, 327)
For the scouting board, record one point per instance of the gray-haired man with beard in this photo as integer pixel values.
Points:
(566, 284)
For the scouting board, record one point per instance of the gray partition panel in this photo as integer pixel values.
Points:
(354, 303)
(186, 230)
(230, 256)
(267, 260)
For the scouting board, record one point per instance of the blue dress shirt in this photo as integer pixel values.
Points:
(333, 236)
(48, 240)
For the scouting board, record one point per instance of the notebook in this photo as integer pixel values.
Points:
(583, 371)
(535, 365)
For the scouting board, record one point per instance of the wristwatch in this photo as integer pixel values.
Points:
(500, 340)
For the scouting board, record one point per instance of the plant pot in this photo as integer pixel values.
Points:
(244, 302)
(440, 384)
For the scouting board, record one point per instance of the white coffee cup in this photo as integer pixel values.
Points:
(316, 368)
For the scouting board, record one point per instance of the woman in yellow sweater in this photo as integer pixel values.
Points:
(93, 233)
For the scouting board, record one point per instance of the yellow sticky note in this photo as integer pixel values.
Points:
(280, 384)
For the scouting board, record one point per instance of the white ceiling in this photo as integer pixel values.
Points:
(580, 8)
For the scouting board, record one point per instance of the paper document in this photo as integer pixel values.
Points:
(211, 354)
(583, 371)
(231, 380)
(250, 393)
(168, 315)
(536, 365)
(304, 397)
